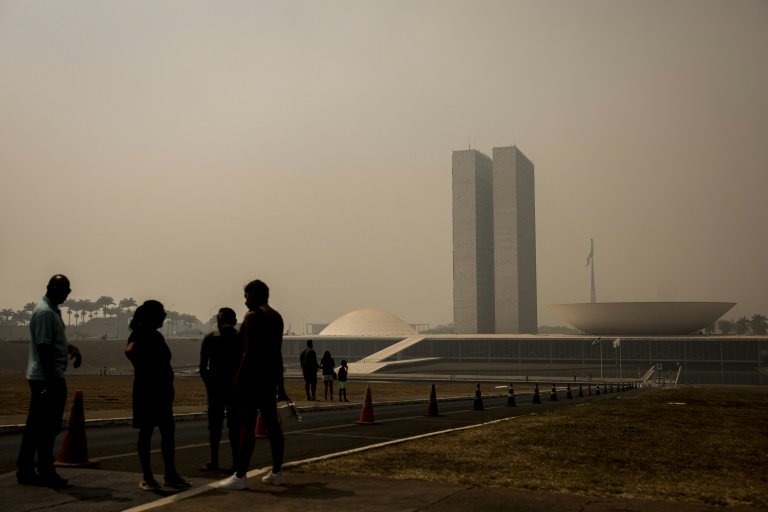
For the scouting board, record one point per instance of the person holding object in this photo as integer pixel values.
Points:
(46, 364)
(259, 384)
(153, 393)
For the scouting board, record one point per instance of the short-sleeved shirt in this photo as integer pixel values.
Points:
(46, 327)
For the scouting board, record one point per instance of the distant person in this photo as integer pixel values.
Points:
(343, 381)
(328, 364)
(153, 393)
(259, 384)
(220, 354)
(309, 367)
(46, 364)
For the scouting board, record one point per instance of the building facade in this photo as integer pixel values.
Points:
(473, 280)
(494, 243)
(514, 242)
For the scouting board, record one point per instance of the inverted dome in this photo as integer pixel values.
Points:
(368, 322)
(642, 318)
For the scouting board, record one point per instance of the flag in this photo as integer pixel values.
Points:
(591, 253)
(617, 343)
(596, 341)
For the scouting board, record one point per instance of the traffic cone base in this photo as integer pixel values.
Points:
(553, 394)
(74, 447)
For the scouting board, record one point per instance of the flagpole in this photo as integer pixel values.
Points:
(592, 268)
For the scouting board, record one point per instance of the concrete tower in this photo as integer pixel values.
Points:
(473, 296)
(514, 242)
(494, 243)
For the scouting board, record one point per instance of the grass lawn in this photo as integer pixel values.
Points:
(699, 444)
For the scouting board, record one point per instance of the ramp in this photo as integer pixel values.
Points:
(376, 362)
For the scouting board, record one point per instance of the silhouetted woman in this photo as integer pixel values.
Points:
(327, 364)
(153, 393)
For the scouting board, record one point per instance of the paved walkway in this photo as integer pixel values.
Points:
(105, 491)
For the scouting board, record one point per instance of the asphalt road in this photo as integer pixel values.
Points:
(321, 432)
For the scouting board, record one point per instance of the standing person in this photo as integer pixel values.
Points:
(153, 393)
(343, 381)
(259, 384)
(46, 364)
(309, 367)
(327, 364)
(220, 354)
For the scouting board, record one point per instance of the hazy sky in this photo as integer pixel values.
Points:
(178, 149)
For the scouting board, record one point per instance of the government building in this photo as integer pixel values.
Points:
(494, 243)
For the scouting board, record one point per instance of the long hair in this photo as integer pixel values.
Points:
(149, 315)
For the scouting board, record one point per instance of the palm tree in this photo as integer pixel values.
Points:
(173, 317)
(741, 326)
(21, 317)
(6, 318)
(91, 307)
(6, 315)
(725, 326)
(70, 305)
(125, 306)
(759, 324)
(103, 303)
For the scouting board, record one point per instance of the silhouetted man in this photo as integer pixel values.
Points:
(258, 384)
(220, 355)
(46, 364)
(309, 367)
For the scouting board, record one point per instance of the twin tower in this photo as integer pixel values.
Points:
(494, 243)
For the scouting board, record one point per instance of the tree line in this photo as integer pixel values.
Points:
(86, 310)
(757, 325)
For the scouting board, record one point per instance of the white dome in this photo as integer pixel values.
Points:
(368, 322)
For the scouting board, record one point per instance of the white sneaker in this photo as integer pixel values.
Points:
(234, 482)
(273, 478)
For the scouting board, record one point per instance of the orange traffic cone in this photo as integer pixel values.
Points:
(536, 395)
(366, 414)
(432, 406)
(261, 432)
(74, 447)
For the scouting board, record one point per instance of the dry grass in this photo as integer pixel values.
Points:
(704, 445)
